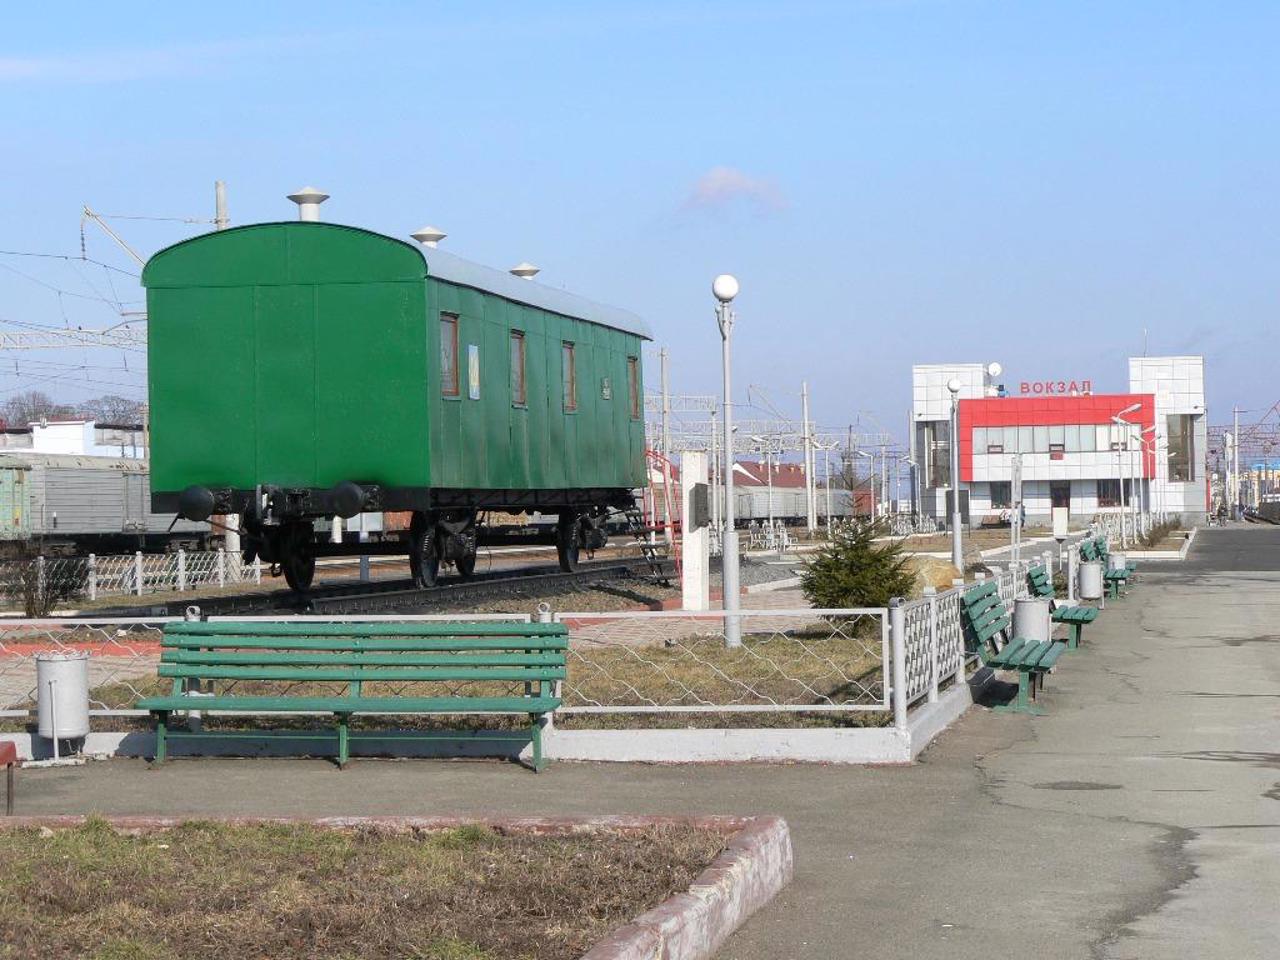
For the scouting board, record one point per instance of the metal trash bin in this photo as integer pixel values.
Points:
(62, 695)
(1117, 561)
(1091, 580)
(1031, 619)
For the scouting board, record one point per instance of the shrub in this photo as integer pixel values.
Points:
(1158, 533)
(39, 584)
(855, 571)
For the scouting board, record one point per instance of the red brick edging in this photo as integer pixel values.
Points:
(756, 863)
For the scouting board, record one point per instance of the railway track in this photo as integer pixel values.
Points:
(390, 596)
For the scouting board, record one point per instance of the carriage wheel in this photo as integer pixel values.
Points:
(299, 558)
(567, 542)
(424, 552)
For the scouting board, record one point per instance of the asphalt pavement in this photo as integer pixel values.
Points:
(1139, 819)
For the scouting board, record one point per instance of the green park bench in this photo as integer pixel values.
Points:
(989, 624)
(359, 668)
(1074, 617)
(1114, 580)
(1130, 567)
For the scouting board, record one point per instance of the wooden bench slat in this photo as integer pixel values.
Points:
(326, 674)
(360, 658)
(332, 643)
(365, 629)
(345, 705)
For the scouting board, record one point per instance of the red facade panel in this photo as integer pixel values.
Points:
(1051, 412)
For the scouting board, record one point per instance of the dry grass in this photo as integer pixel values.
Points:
(204, 891)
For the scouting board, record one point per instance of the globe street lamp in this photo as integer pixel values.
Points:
(725, 288)
(957, 542)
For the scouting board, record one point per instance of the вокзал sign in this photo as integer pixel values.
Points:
(1056, 387)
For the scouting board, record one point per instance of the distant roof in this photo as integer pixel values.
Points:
(447, 266)
(26, 458)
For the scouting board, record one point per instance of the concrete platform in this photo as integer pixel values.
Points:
(1140, 819)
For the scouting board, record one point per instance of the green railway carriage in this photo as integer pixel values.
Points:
(304, 370)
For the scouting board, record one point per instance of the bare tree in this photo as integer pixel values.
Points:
(32, 406)
(121, 411)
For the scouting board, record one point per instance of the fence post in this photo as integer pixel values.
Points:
(1071, 574)
(931, 594)
(40, 575)
(257, 569)
(137, 573)
(93, 577)
(182, 570)
(958, 584)
(898, 644)
(222, 567)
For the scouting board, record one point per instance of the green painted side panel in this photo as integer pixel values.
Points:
(490, 442)
(202, 382)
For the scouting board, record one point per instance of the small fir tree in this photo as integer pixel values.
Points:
(853, 570)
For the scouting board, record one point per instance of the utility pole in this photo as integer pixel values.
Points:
(1235, 462)
(809, 461)
(666, 448)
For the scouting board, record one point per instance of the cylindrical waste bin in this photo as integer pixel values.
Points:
(62, 694)
(1031, 619)
(1091, 580)
(1117, 561)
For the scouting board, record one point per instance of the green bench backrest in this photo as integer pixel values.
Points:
(988, 618)
(354, 653)
(1088, 550)
(1038, 580)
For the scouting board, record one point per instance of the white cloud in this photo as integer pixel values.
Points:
(722, 188)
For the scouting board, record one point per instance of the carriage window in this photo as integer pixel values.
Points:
(448, 354)
(519, 396)
(633, 386)
(569, 374)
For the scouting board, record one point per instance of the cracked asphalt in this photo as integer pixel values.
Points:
(1139, 819)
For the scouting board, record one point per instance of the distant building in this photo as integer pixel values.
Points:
(1071, 451)
(77, 437)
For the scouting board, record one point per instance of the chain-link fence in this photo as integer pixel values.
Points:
(679, 662)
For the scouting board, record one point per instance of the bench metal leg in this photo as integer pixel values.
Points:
(344, 740)
(162, 736)
(1073, 636)
(538, 761)
(1022, 702)
(8, 795)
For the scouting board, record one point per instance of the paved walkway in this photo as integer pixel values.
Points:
(1140, 819)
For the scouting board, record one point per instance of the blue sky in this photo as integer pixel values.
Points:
(893, 182)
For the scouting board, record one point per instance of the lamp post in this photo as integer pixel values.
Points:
(725, 288)
(1123, 465)
(957, 541)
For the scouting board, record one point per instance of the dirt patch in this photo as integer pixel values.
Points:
(301, 892)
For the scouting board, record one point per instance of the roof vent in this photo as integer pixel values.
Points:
(428, 236)
(308, 200)
(525, 270)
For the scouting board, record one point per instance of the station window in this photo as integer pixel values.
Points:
(569, 376)
(1181, 448)
(1001, 494)
(449, 354)
(519, 393)
(1108, 493)
(633, 386)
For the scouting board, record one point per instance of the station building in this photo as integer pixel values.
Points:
(1061, 438)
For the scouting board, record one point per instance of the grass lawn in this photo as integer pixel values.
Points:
(207, 891)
